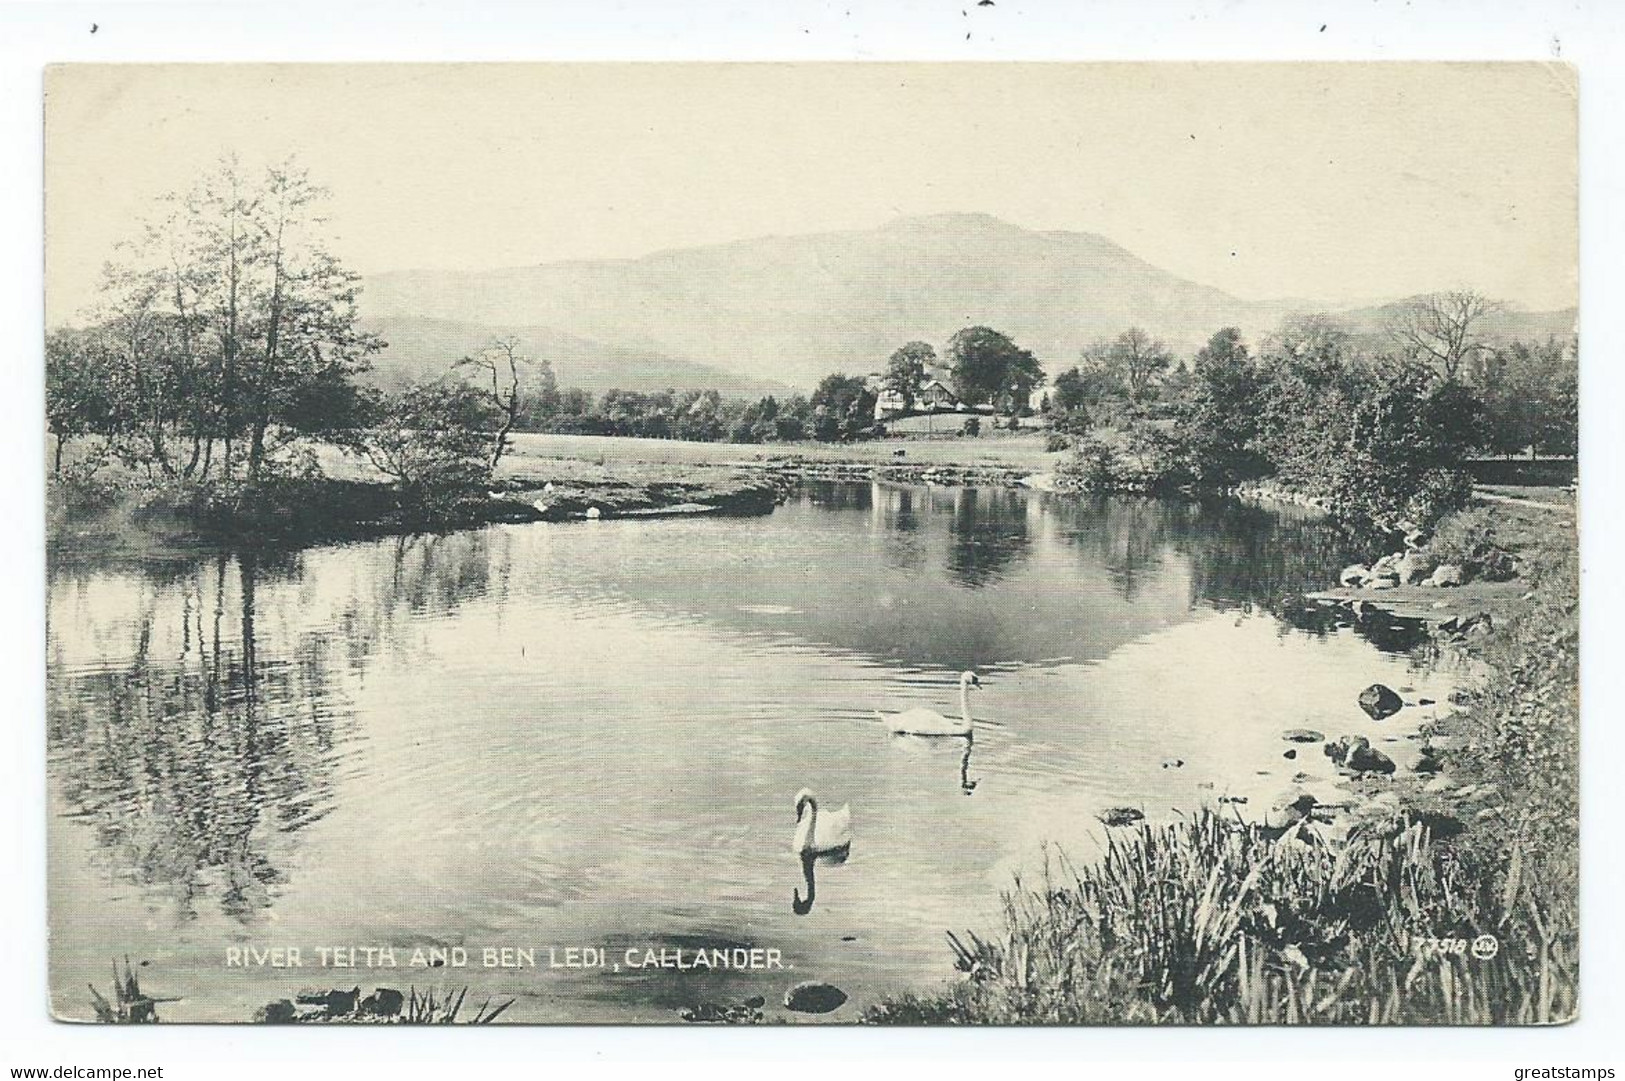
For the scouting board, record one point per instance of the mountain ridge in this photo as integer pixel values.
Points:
(788, 309)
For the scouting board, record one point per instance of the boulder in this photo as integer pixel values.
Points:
(280, 1012)
(383, 1002)
(1379, 701)
(1290, 752)
(1416, 566)
(1302, 735)
(1447, 574)
(1425, 760)
(1121, 816)
(1386, 580)
(1364, 758)
(1289, 810)
(814, 997)
(1354, 574)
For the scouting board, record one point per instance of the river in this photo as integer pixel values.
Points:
(558, 736)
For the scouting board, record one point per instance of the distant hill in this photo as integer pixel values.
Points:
(790, 309)
(421, 349)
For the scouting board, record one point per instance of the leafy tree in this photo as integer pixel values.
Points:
(905, 371)
(1136, 360)
(228, 319)
(435, 441)
(987, 366)
(793, 421)
(843, 408)
(79, 387)
(1221, 419)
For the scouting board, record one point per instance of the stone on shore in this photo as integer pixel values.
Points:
(1447, 574)
(1416, 566)
(1354, 574)
(1302, 735)
(1379, 701)
(814, 997)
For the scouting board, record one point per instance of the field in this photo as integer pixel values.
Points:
(1012, 450)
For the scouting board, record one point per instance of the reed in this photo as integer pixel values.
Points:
(1212, 921)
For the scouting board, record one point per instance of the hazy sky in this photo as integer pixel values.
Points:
(1330, 181)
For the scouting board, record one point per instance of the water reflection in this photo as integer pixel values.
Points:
(195, 756)
(203, 720)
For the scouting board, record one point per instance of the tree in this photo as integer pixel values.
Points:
(229, 322)
(1221, 419)
(79, 387)
(843, 407)
(1069, 402)
(435, 442)
(1141, 359)
(987, 366)
(905, 371)
(500, 361)
(1442, 328)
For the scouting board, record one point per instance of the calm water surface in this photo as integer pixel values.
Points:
(591, 735)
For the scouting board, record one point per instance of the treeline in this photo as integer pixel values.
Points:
(1379, 437)
(841, 408)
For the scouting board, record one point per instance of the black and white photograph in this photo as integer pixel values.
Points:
(735, 544)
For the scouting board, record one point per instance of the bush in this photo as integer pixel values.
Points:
(1092, 467)
(1056, 441)
(972, 426)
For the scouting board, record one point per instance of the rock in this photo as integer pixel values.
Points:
(1172, 763)
(814, 997)
(1302, 735)
(1300, 778)
(280, 1012)
(756, 1002)
(334, 1003)
(1379, 702)
(1447, 574)
(1424, 701)
(1439, 783)
(1232, 799)
(1386, 581)
(383, 1002)
(1289, 810)
(1337, 750)
(1497, 565)
(1121, 816)
(1380, 805)
(1354, 574)
(594, 513)
(1290, 752)
(1386, 563)
(1416, 566)
(1364, 758)
(1426, 761)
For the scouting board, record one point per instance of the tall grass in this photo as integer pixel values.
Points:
(1213, 921)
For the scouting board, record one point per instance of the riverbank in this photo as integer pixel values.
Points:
(1415, 900)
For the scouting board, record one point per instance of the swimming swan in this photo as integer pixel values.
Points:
(827, 836)
(928, 722)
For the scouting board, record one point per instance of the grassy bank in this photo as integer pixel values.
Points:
(1450, 899)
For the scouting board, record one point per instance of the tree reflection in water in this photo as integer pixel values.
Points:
(199, 757)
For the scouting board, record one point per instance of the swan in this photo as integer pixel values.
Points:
(928, 722)
(827, 836)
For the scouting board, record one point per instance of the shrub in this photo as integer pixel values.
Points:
(972, 426)
(1056, 441)
(1092, 467)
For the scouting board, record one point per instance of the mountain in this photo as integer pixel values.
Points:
(790, 309)
(423, 348)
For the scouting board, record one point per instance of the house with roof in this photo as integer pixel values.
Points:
(935, 396)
